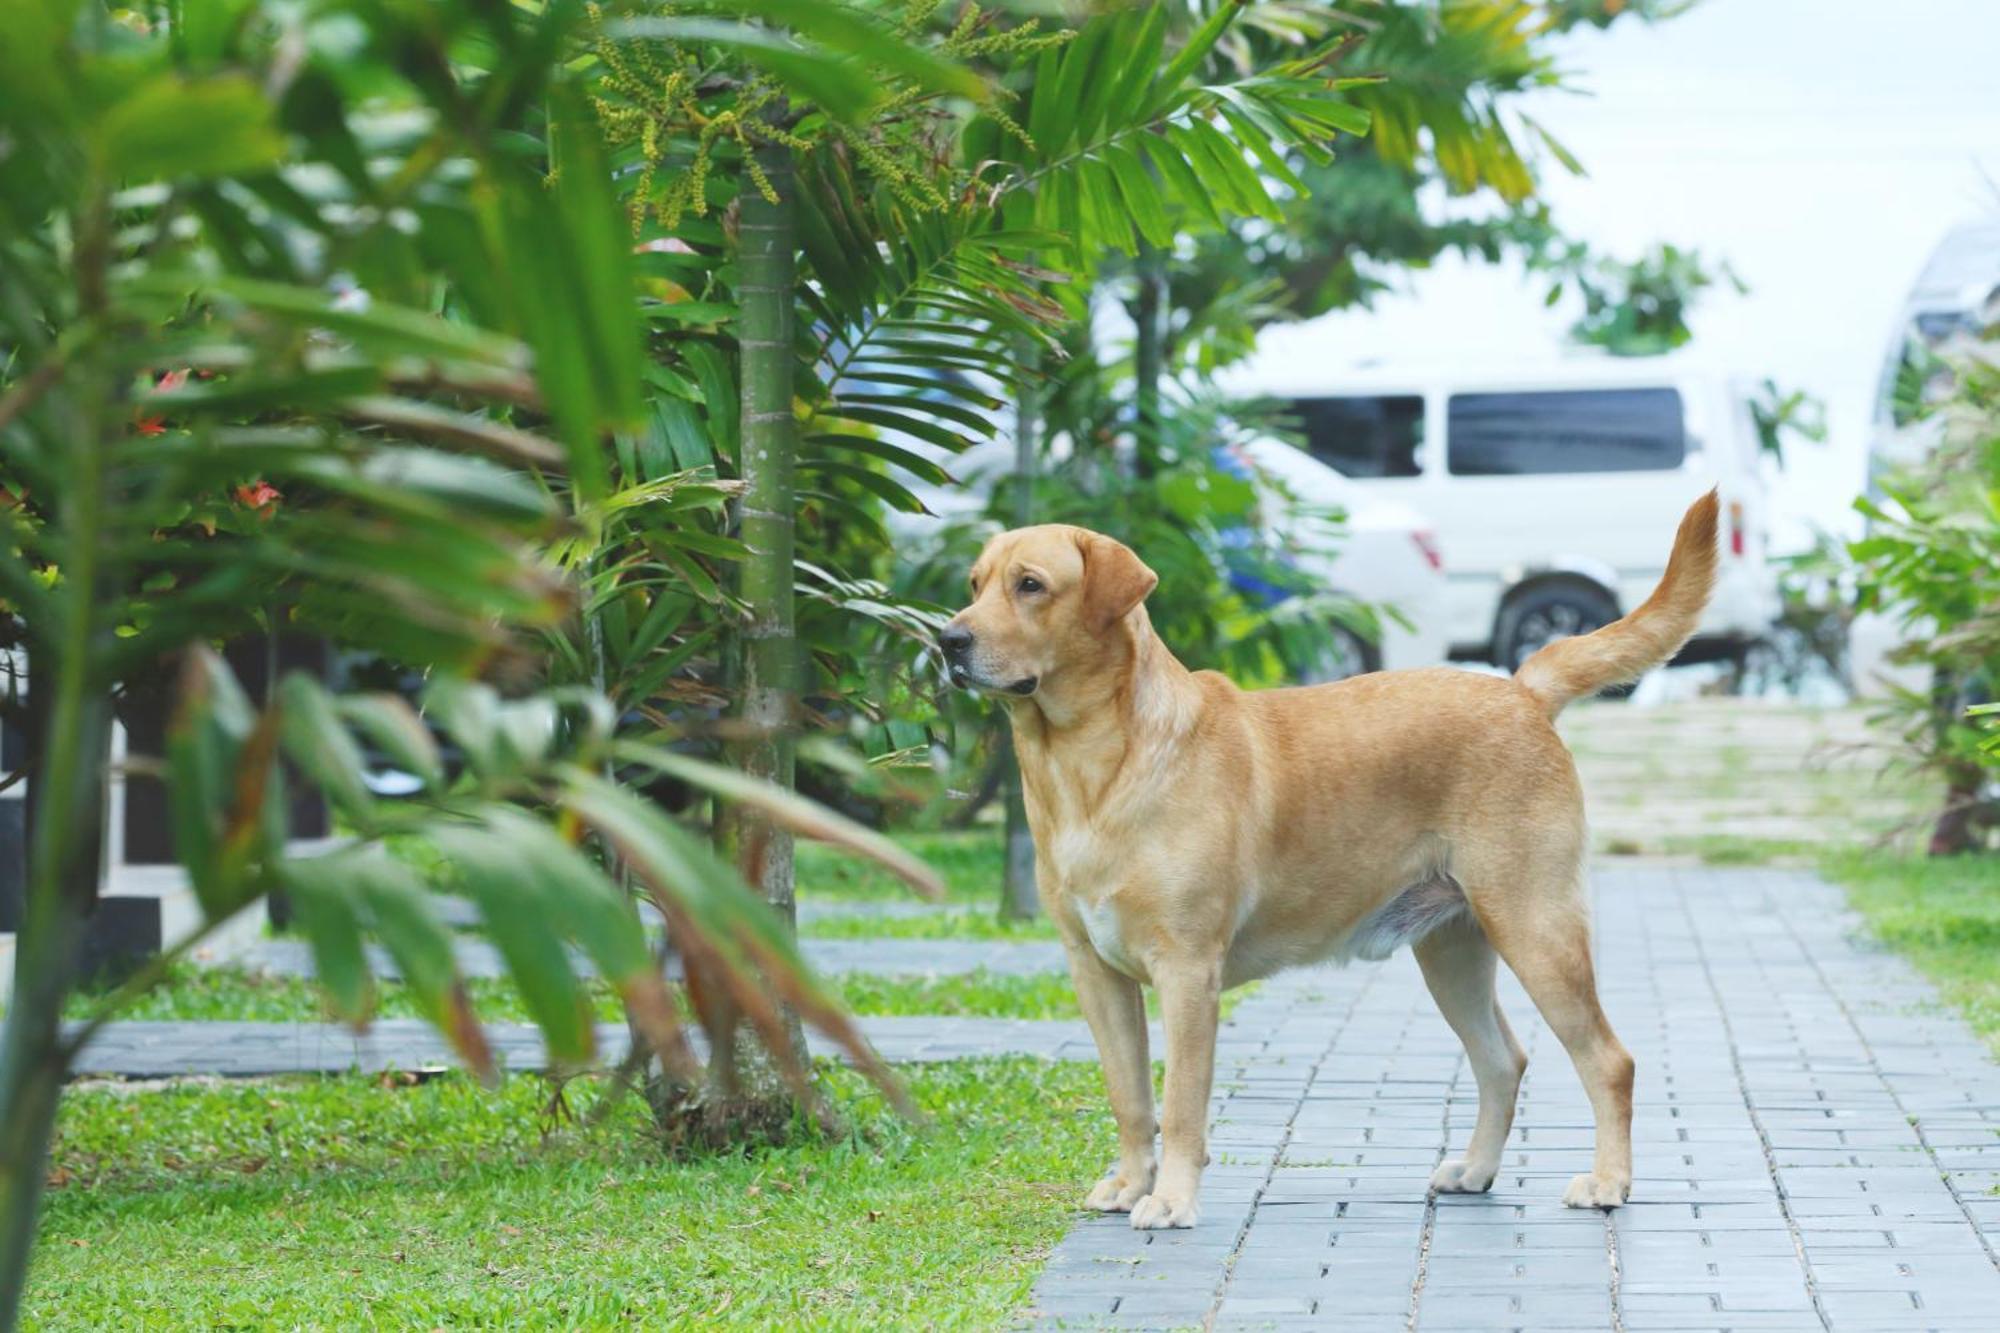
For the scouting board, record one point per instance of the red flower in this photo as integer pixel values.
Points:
(259, 494)
(148, 424)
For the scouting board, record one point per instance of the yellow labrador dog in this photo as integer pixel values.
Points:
(1195, 836)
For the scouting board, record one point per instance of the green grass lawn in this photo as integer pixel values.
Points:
(950, 923)
(971, 863)
(199, 994)
(344, 1203)
(1729, 849)
(228, 993)
(1943, 913)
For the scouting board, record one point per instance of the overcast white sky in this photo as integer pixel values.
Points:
(1820, 146)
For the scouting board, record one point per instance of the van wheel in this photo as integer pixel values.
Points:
(1542, 615)
(1347, 654)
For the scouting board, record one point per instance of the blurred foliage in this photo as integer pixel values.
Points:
(1342, 245)
(1446, 83)
(1637, 307)
(1780, 416)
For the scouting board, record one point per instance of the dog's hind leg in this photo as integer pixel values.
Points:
(1458, 965)
(1546, 941)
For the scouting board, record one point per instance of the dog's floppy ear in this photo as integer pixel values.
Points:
(1114, 580)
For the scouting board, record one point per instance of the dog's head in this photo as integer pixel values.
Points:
(1044, 602)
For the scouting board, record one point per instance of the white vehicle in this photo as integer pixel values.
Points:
(1384, 553)
(1554, 489)
(1953, 301)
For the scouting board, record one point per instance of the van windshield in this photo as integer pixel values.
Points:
(1571, 430)
(1361, 436)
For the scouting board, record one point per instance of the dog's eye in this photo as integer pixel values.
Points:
(1028, 583)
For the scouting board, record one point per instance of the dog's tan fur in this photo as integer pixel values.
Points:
(1196, 836)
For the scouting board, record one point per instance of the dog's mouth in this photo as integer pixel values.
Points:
(962, 677)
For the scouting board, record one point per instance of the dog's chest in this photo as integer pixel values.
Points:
(1101, 923)
(1088, 880)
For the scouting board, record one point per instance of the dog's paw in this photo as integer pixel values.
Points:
(1462, 1178)
(1159, 1211)
(1116, 1193)
(1589, 1191)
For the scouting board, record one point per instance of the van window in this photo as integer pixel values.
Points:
(1580, 430)
(1361, 437)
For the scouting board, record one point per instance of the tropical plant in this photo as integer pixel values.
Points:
(933, 231)
(1931, 561)
(322, 319)
(747, 177)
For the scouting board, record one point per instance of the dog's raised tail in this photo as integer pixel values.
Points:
(1571, 668)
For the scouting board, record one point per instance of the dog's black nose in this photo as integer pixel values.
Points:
(956, 640)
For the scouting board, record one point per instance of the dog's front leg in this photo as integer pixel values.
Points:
(1190, 994)
(1116, 1012)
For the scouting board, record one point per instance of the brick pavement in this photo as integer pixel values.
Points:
(1817, 1147)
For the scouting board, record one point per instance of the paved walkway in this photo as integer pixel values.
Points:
(1817, 1145)
(245, 1050)
(1660, 779)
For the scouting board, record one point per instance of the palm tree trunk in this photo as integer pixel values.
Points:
(1018, 901)
(748, 1098)
(71, 745)
(66, 831)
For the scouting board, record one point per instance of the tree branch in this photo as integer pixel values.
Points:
(31, 387)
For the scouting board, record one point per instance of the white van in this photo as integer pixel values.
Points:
(1554, 490)
(1954, 301)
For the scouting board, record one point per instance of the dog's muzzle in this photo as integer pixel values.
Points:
(955, 642)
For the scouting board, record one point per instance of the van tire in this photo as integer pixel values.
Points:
(1544, 612)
